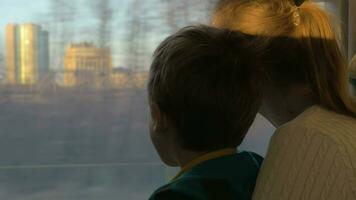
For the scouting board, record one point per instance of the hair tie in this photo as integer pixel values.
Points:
(296, 16)
(298, 3)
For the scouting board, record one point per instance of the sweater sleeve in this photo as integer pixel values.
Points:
(303, 164)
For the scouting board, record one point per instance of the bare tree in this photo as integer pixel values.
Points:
(2, 68)
(181, 13)
(135, 35)
(61, 29)
(2, 53)
(102, 11)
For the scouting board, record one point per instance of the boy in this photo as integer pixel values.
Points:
(204, 94)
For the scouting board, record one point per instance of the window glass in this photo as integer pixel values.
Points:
(73, 106)
(73, 113)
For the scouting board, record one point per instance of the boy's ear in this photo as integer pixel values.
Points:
(159, 119)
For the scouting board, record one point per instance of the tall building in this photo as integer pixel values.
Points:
(27, 53)
(11, 55)
(87, 65)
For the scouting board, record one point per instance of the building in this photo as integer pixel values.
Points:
(86, 65)
(11, 53)
(120, 78)
(27, 53)
(127, 78)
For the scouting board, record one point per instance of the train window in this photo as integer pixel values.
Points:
(73, 110)
(73, 114)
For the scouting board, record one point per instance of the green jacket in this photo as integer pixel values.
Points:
(223, 178)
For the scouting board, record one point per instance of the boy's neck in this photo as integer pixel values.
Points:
(186, 158)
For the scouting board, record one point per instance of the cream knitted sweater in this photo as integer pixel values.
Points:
(312, 157)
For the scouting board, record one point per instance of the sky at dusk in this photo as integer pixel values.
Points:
(21, 10)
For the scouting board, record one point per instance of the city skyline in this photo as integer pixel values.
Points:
(133, 36)
(84, 23)
(84, 64)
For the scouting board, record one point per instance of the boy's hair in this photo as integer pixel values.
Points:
(207, 82)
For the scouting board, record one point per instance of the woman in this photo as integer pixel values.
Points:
(312, 154)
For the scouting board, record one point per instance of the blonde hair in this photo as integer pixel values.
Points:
(302, 46)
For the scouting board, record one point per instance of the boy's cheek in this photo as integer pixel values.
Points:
(160, 147)
(164, 148)
(155, 139)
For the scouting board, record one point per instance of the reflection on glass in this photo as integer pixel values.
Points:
(75, 142)
(73, 112)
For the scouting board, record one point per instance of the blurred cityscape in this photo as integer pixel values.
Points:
(73, 104)
(84, 125)
(85, 65)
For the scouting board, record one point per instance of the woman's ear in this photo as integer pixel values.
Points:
(159, 119)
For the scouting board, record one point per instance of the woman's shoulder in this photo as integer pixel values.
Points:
(318, 145)
(318, 130)
(318, 122)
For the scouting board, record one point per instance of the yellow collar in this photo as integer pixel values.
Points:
(203, 158)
